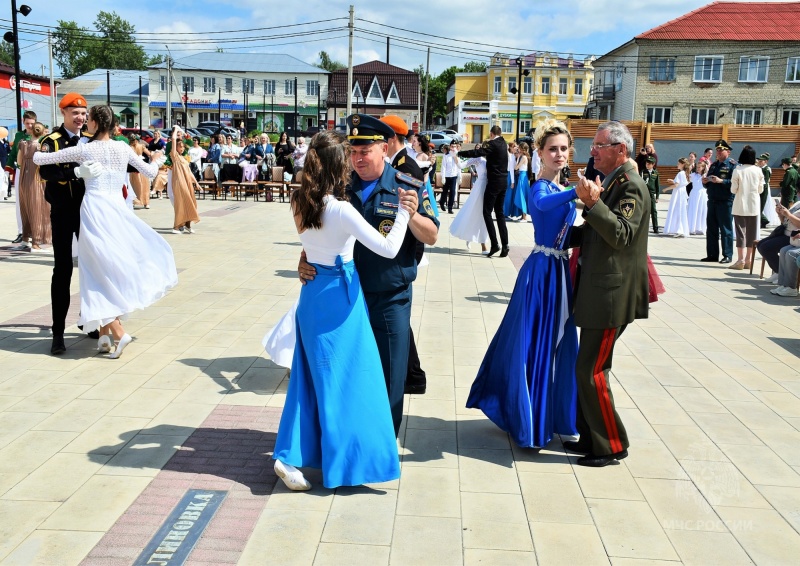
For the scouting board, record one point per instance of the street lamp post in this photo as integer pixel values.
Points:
(335, 110)
(518, 89)
(12, 37)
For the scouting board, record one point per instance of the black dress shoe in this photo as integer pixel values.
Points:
(592, 461)
(576, 447)
(493, 250)
(505, 251)
(415, 388)
(709, 259)
(94, 334)
(725, 259)
(17, 240)
(655, 230)
(58, 346)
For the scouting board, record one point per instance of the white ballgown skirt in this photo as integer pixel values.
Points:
(124, 264)
(468, 224)
(769, 211)
(698, 210)
(678, 213)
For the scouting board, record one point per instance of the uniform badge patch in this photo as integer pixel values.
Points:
(354, 131)
(44, 148)
(385, 227)
(356, 120)
(426, 206)
(627, 206)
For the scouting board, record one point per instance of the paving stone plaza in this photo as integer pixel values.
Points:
(95, 454)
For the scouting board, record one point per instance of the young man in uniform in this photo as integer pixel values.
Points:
(650, 176)
(373, 191)
(789, 183)
(719, 220)
(763, 162)
(28, 120)
(64, 189)
(611, 287)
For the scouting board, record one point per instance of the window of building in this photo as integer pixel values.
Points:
(659, 115)
(793, 70)
(312, 88)
(618, 70)
(228, 86)
(791, 117)
(187, 84)
(527, 85)
(163, 82)
(753, 69)
(662, 69)
(269, 87)
(393, 97)
(288, 87)
(507, 126)
(578, 87)
(562, 86)
(208, 117)
(357, 91)
(524, 126)
(498, 85)
(209, 84)
(703, 116)
(249, 86)
(749, 116)
(545, 85)
(708, 69)
(512, 84)
(375, 90)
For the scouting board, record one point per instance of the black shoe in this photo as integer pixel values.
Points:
(449, 212)
(58, 346)
(592, 461)
(655, 230)
(709, 259)
(493, 250)
(94, 334)
(576, 447)
(725, 259)
(17, 240)
(505, 251)
(415, 388)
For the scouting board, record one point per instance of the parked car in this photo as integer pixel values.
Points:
(527, 139)
(147, 135)
(454, 134)
(205, 130)
(438, 139)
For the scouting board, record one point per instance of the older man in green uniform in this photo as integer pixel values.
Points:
(650, 176)
(386, 282)
(719, 218)
(789, 183)
(612, 287)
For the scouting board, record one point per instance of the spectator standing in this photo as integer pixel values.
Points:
(650, 176)
(508, 201)
(451, 172)
(719, 221)
(789, 183)
(299, 155)
(747, 184)
(195, 158)
(28, 120)
(5, 187)
(283, 152)
(763, 162)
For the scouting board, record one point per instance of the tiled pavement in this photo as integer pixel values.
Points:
(94, 453)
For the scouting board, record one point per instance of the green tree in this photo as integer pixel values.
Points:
(7, 53)
(474, 67)
(113, 46)
(325, 62)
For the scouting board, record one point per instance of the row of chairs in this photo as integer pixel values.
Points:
(276, 189)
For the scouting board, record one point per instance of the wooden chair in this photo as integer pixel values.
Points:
(208, 187)
(294, 185)
(248, 188)
(229, 187)
(275, 183)
(753, 261)
(438, 185)
(464, 187)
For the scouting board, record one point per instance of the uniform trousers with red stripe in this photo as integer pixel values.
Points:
(597, 419)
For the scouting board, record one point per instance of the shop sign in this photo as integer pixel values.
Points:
(522, 116)
(476, 118)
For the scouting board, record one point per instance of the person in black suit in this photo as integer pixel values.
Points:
(496, 153)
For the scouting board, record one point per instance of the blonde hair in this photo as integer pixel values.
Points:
(685, 166)
(549, 128)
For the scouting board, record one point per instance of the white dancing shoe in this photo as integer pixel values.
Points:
(291, 476)
(104, 344)
(124, 341)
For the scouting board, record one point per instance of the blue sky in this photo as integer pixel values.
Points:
(458, 31)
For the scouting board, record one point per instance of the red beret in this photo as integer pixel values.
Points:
(72, 99)
(396, 123)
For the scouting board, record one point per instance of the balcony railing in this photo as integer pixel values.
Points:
(602, 93)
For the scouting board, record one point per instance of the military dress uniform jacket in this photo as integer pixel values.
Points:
(496, 153)
(613, 285)
(652, 181)
(11, 160)
(62, 188)
(721, 191)
(379, 274)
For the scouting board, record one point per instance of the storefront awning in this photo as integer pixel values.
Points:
(129, 110)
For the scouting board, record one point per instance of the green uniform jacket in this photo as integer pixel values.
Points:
(767, 176)
(12, 155)
(613, 285)
(788, 186)
(652, 182)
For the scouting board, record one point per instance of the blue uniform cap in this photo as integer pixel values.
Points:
(363, 130)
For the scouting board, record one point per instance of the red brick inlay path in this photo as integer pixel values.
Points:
(230, 451)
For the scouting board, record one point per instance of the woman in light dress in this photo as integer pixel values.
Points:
(34, 209)
(181, 185)
(698, 199)
(139, 183)
(677, 222)
(468, 224)
(747, 184)
(124, 264)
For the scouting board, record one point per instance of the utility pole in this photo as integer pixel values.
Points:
(141, 118)
(387, 49)
(167, 115)
(419, 106)
(108, 88)
(296, 124)
(319, 106)
(350, 65)
(219, 109)
(427, 76)
(185, 104)
(52, 83)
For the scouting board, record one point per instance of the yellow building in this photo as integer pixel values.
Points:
(551, 87)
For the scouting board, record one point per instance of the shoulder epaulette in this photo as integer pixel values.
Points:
(408, 180)
(52, 136)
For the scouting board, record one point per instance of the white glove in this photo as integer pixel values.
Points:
(89, 170)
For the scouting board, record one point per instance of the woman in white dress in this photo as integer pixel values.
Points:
(698, 199)
(124, 264)
(468, 224)
(677, 222)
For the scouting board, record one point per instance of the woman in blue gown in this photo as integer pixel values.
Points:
(526, 383)
(523, 181)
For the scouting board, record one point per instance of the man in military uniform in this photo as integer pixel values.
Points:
(719, 219)
(611, 287)
(763, 162)
(789, 183)
(496, 153)
(373, 191)
(650, 176)
(64, 191)
(416, 380)
(28, 120)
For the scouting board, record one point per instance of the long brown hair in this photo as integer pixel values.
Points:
(326, 171)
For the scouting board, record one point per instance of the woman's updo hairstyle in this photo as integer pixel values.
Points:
(549, 128)
(38, 130)
(424, 143)
(326, 172)
(103, 116)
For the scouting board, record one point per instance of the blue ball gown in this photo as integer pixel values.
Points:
(336, 416)
(521, 191)
(510, 207)
(526, 384)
